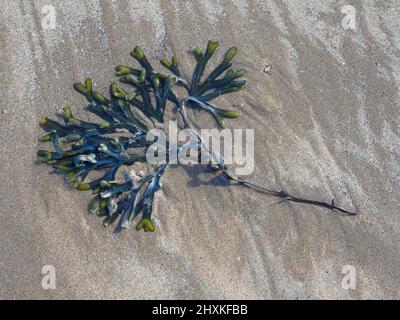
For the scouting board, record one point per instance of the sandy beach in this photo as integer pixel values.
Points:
(326, 117)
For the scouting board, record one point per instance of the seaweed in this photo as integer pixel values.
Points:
(119, 139)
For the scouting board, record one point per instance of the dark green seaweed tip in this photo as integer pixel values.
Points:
(43, 121)
(220, 114)
(142, 76)
(198, 54)
(74, 122)
(174, 61)
(138, 53)
(46, 138)
(156, 81)
(104, 125)
(229, 114)
(121, 93)
(130, 78)
(238, 86)
(73, 137)
(231, 75)
(239, 73)
(100, 98)
(230, 54)
(123, 70)
(84, 187)
(116, 91)
(166, 63)
(211, 47)
(146, 224)
(171, 65)
(66, 113)
(220, 121)
(85, 89)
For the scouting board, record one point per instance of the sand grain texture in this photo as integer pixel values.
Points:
(327, 125)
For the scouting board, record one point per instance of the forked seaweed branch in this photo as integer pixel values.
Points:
(81, 147)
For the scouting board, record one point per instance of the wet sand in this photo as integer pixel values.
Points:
(326, 119)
